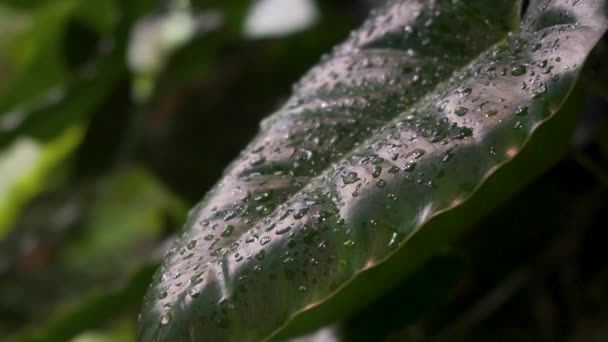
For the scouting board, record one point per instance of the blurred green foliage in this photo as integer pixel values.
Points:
(94, 183)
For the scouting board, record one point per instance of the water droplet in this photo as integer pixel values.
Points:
(377, 161)
(466, 91)
(283, 230)
(349, 177)
(257, 161)
(460, 111)
(165, 318)
(162, 295)
(263, 197)
(394, 241)
(409, 167)
(229, 215)
(518, 70)
(191, 244)
(194, 292)
(377, 171)
(196, 279)
(260, 255)
(208, 237)
(349, 243)
(264, 240)
(381, 183)
(540, 91)
(417, 153)
(300, 213)
(521, 111)
(491, 112)
(228, 230)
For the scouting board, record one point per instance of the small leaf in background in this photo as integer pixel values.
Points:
(130, 207)
(275, 18)
(32, 48)
(92, 268)
(155, 38)
(38, 160)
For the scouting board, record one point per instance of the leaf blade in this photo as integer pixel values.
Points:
(355, 200)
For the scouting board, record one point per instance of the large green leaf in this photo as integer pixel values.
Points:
(394, 143)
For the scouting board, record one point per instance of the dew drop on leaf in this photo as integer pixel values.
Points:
(393, 169)
(349, 177)
(518, 70)
(521, 111)
(228, 230)
(194, 292)
(461, 111)
(257, 161)
(300, 213)
(165, 318)
(377, 171)
(260, 255)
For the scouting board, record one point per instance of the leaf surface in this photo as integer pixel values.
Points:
(402, 124)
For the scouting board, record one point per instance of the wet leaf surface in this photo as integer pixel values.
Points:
(402, 123)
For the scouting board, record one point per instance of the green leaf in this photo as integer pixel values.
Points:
(123, 331)
(92, 311)
(46, 142)
(33, 44)
(409, 132)
(276, 18)
(32, 48)
(101, 15)
(132, 207)
(24, 167)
